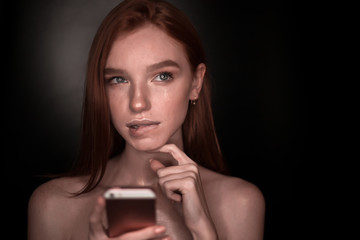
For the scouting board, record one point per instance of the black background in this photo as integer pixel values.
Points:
(256, 52)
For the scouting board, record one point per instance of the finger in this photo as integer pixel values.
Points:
(156, 165)
(190, 167)
(162, 170)
(179, 189)
(175, 186)
(172, 191)
(145, 233)
(96, 227)
(178, 176)
(176, 153)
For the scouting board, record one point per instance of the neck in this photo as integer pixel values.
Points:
(132, 167)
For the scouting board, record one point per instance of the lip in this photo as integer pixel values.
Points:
(138, 127)
(141, 122)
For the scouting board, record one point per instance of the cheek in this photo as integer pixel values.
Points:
(117, 105)
(174, 103)
(176, 93)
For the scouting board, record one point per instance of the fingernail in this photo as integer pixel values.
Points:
(160, 229)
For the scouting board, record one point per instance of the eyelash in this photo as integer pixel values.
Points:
(114, 79)
(169, 76)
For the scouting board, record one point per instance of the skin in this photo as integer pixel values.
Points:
(192, 201)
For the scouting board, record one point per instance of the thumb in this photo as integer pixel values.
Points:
(156, 165)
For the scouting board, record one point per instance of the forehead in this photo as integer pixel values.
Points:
(145, 46)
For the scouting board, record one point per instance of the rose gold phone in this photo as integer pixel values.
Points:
(129, 209)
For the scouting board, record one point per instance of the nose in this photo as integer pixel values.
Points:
(139, 100)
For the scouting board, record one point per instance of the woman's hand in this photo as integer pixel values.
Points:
(182, 183)
(97, 230)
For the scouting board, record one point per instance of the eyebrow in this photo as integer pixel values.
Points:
(165, 63)
(113, 71)
(150, 68)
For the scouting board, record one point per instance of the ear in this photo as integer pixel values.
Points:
(197, 82)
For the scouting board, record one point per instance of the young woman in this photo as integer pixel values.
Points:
(147, 121)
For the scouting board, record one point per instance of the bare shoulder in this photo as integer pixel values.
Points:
(230, 187)
(49, 207)
(55, 190)
(234, 202)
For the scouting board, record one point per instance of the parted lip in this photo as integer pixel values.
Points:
(136, 123)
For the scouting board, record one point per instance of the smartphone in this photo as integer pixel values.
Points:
(129, 209)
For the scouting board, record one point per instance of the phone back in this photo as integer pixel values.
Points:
(128, 214)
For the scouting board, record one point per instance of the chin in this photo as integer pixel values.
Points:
(147, 146)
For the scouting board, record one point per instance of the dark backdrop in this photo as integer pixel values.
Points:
(256, 56)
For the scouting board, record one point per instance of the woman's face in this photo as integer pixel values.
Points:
(148, 84)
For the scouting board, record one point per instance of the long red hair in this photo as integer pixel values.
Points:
(99, 140)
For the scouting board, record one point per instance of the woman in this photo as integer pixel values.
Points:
(147, 121)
